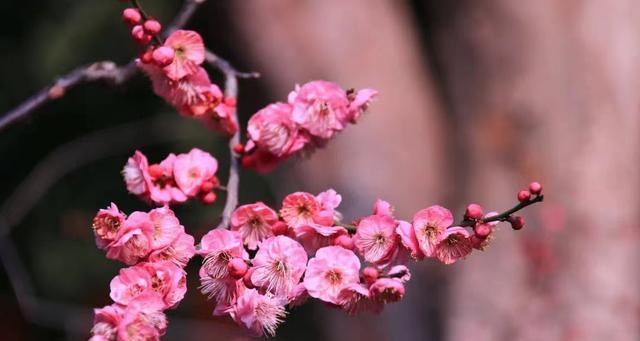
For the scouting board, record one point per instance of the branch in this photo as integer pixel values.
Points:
(504, 216)
(104, 70)
(231, 76)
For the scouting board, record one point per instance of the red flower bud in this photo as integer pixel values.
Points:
(131, 16)
(474, 211)
(535, 187)
(524, 196)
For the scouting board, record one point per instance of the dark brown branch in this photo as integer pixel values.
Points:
(504, 216)
(105, 70)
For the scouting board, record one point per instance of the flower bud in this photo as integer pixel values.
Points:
(207, 186)
(152, 27)
(248, 161)
(535, 188)
(344, 241)
(131, 16)
(524, 195)
(246, 279)
(137, 33)
(147, 56)
(238, 148)
(209, 198)
(155, 171)
(370, 274)
(517, 222)
(474, 211)
(482, 230)
(237, 268)
(279, 228)
(163, 56)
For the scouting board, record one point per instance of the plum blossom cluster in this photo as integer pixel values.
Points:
(175, 179)
(175, 69)
(305, 251)
(313, 114)
(157, 248)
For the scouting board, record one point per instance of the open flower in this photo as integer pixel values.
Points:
(454, 244)
(359, 102)
(165, 227)
(272, 130)
(133, 242)
(180, 250)
(162, 279)
(136, 173)
(408, 238)
(189, 53)
(253, 222)
(299, 208)
(316, 236)
(191, 170)
(260, 314)
(320, 107)
(330, 271)
(429, 225)
(279, 265)
(387, 290)
(356, 298)
(106, 225)
(218, 247)
(376, 239)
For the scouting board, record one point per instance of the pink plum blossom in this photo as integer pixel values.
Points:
(329, 200)
(133, 242)
(320, 107)
(429, 225)
(454, 244)
(136, 173)
(359, 102)
(315, 236)
(408, 238)
(254, 222)
(355, 299)
(142, 319)
(387, 290)
(165, 227)
(376, 239)
(279, 265)
(300, 208)
(382, 207)
(180, 250)
(272, 130)
(189, 53)
(191, 170)
(260, 314)
(107, 224)
(162, 279)
(162, 188)
(330, 271)
(218, 247)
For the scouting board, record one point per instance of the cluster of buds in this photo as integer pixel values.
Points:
(157, 248)
(305, 250)
(313, 114)
(175, 69)
(175, 179)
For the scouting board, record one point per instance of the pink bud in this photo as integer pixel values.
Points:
(152, 27)
(155, 171)
(207, 186)
(246, 279)
(474, 211)
(147, 56)
(279, 228)
(209, 198)
(131, 16)
(238, 148)
(535, 187)
(345, 241)
(524, 195)
(517, 222)
(237, 268)
(370, 274)
(163, 56)
(137, 32)
(482, 230)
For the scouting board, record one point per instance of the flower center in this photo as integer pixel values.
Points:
(334, 277)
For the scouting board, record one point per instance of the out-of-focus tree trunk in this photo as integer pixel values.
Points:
(550, 90)
(396, 152)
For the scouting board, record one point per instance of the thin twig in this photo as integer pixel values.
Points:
(104, 70)
(504, 216)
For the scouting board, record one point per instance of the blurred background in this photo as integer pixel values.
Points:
(477, 99)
